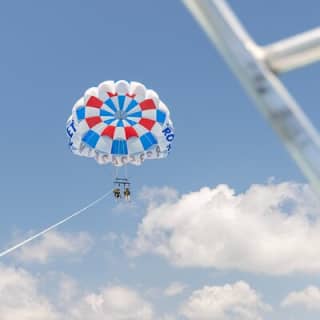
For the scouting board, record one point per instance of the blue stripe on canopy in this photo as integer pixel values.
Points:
(124, 147)
(131, 105)
(121, 101)
(91, 138)
(109, 121)
(136, 114)
(81, 113)
(132, 123)
(148, 140)
(110, 103)
(161, 116)
(119, 147)
(105, 113)
(120, 123)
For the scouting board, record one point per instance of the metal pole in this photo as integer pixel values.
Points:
(247, 61)
(294, 52)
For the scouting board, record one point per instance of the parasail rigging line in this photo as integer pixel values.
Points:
(41, 233)
(126, 171)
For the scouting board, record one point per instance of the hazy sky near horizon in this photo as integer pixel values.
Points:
(235, 234)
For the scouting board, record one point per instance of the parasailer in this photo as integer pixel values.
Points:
(125, 184)
(127, 193)
(120, 123)
(117, 193)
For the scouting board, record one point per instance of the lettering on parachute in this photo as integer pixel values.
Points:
(137, 158)
(168, 133)
(71, 129)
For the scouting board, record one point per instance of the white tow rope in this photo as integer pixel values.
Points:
(41, 233)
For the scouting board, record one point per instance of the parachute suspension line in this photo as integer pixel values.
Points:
(126, 171)
(120, 172)
(115, 173)
(41, 233)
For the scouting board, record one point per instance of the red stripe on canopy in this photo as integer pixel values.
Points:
(109, 131)
(147, 104)
(94, 102)
(147, 123)
(92, 121)
(130, 132)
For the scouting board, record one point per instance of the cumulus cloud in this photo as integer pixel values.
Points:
(113, 303)
(155, 196)
(236, 301)
(267, 229)
(174, 289)
(309, 298)
(20, 297)
(54, 244)
(68, 290)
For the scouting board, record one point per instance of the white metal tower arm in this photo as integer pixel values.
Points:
(248, 62)
(294, 52)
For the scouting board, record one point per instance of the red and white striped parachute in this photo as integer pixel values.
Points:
(119, 123)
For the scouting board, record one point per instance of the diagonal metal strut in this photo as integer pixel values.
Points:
(255, 67)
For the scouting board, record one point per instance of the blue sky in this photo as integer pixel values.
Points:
(51, 53)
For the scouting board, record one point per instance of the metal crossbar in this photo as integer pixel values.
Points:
(257, 68)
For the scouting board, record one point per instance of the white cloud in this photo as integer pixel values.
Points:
(174, 289)
(155, 196)
(54, 244)
(309, 298)
(113, 303)
(229, 302)
(267, 229)
(20, 297)
(168, 317)
(68, 290)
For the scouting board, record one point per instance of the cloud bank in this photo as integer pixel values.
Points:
(114, 303)
(229, 302)
(309, 298)
(175, 288)
(20, 297)
(55, 244)
(267, 229)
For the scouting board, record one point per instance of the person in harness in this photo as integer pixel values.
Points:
(126, 193)
(117, 193)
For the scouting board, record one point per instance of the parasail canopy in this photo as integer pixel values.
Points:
(120, 122)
